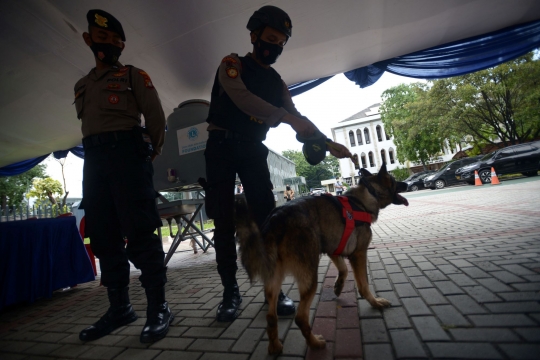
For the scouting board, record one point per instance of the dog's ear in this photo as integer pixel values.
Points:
(365, 172)
(382, 171)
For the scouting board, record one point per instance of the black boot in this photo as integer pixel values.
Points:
(228, 309)
(120, 313)
(285, 306)
(158, 316)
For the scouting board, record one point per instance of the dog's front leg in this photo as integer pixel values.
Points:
(342, 273)
(358, 261)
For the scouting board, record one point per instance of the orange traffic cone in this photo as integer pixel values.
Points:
(494, 178)
(477, 181)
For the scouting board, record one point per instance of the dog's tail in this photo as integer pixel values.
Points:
(253, 254)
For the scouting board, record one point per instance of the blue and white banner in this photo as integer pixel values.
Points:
(192, 139)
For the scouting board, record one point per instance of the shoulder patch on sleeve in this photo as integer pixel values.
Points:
(228, 59)
(147, 81)
(232, 72)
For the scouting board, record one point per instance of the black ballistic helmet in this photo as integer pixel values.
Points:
(270, 16)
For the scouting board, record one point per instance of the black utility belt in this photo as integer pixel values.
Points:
(230, 135)
(107, 138)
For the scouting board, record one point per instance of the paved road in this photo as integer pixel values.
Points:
(461, 267)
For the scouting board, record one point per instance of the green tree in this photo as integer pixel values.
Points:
(13, 188)
(327, 169)
(501, 102)
(46, 189)
(416, 136)
(62, 163)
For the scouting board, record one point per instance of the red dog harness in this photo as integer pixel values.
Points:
(350, 217)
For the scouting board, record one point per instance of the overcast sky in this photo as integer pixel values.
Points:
(325, 106)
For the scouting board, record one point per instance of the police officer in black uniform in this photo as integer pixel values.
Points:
(248, 97)
(118, 192)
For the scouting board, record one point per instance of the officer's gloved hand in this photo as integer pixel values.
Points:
(338, 150)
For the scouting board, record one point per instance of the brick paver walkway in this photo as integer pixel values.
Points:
(460, 266)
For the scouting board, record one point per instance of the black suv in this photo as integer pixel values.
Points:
(523, 158)
(446, 176)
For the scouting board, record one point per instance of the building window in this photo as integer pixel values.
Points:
(363, 157)
(366, 135)
(379, 133)
(359, 137)
(391, 155)
(351, 138)
(330, 187)
(383, 156)
(370, 156)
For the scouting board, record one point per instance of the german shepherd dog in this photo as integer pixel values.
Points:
(295, 234)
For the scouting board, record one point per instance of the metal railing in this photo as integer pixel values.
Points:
(15, 213)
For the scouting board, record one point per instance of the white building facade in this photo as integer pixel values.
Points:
(364, 135)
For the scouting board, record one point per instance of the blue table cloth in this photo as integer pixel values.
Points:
(40, 256)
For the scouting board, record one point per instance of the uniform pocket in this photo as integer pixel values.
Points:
(114, 97)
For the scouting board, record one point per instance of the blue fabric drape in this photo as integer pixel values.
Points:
(23, 166)
(78, 151)
(452, 59)
(456, 58)
(302, 87)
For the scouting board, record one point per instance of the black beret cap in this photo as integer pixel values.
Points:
(104, 20)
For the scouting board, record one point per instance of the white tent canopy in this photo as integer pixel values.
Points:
(181, 42)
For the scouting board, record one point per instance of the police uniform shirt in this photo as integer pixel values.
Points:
(230, 81)
(105, 102)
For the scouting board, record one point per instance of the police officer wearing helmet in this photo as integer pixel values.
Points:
(248, 97)
(118, 192)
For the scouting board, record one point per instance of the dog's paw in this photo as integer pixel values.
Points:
(380, 303)
(338, 286)
(317, 342)
(275, 348)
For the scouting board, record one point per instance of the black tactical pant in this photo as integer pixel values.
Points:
(119, 201)
(224, 159)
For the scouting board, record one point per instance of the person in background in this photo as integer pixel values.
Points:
(339, 187)
(289, 193)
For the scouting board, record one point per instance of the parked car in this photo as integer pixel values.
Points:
(318, 192)
(417, 183)
(523, 158)
(417, 175)
(446, 176)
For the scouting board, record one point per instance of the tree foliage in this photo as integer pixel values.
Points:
(501, 102)
(46, 189)
(13, 188)
(327, 169)
(400, 173)
(415, 135)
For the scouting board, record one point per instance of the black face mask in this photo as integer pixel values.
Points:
(107, 53)
(266, 52)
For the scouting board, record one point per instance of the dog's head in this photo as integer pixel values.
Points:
(384, 187)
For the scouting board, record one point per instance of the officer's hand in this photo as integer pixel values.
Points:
(301, 126)
(338, 150)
